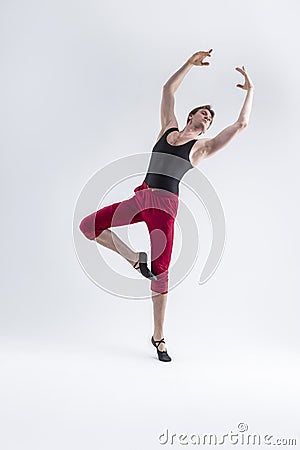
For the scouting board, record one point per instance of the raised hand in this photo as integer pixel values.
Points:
(248, 84)
(197, 58)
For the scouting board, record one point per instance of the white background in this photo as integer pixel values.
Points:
(80, 85)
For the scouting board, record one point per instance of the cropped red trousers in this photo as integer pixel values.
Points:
(158, 209)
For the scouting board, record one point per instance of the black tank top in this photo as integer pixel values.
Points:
(168, 163)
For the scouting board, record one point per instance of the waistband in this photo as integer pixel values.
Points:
(160, 192)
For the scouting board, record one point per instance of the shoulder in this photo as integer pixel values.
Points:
(172, 124)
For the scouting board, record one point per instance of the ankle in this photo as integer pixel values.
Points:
(157, 336)
(133, 258)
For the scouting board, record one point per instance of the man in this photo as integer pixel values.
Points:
(156, 199)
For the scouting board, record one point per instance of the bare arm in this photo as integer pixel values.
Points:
(167, 113)
(174, 82)
(223, 138)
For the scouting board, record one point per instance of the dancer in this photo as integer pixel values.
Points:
(155, 201)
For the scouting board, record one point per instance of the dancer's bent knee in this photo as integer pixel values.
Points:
(88, 227)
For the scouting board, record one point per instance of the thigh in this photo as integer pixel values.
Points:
(117, 214)
(161, 228)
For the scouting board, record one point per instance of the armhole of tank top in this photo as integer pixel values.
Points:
(171, 128)
(167, 132)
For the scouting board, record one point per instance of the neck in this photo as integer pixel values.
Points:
(190, 131)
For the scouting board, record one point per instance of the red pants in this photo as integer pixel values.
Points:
(158, 209)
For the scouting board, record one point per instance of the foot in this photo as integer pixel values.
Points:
(162, 346)
(140, 264)
(162, 354)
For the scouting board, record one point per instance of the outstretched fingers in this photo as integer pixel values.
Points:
(207, 54)
(242, 71)
(247, 82)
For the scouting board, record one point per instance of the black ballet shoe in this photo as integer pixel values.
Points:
(141, 264)
(162, 355)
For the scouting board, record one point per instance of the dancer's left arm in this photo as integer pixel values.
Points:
(225, 136)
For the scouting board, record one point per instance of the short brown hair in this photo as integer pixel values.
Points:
(202, 107)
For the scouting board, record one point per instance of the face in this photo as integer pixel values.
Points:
(204, 117)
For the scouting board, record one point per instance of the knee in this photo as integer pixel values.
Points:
(161, 284)
(161, 291)
(87, 227)
(160, 268)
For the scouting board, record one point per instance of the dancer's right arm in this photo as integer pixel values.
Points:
(167, 114)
